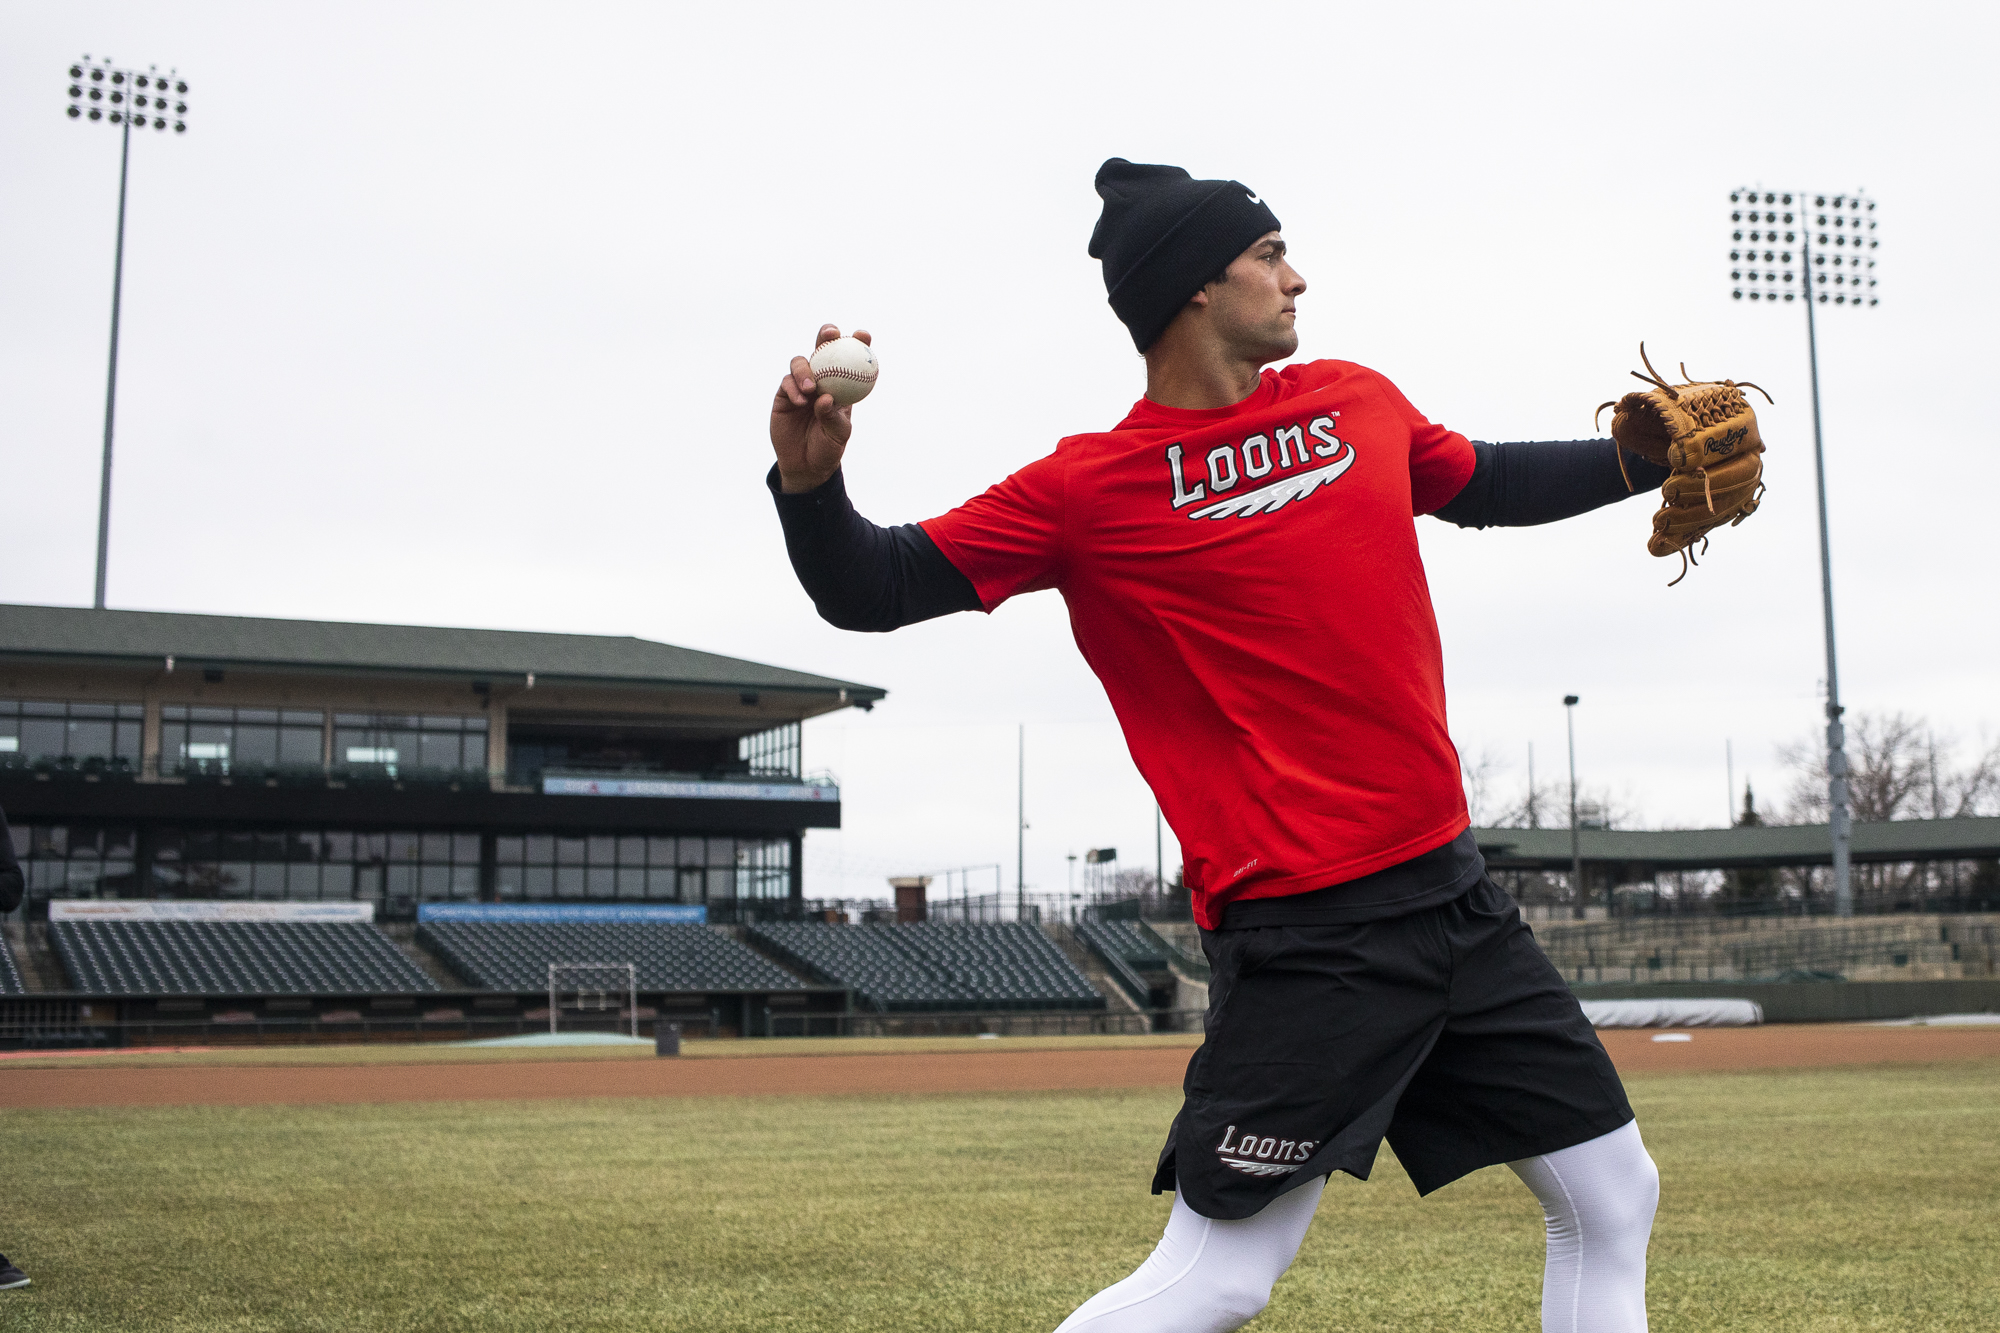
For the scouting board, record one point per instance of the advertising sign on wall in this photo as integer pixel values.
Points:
(688, 789)
(691, 914)
(115, 909)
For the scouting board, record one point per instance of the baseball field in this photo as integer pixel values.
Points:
(1814, 1179)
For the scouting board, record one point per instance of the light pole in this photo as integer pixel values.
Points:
(1160, 856)
(1021, 825)
(1767, 225)
(99, 90)
(1575, 838)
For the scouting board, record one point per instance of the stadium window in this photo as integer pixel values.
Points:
(61, 861)
(71, 736)
(407, 748)
(244, 742)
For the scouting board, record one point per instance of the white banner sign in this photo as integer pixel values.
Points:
(691, 790)
(111, 909)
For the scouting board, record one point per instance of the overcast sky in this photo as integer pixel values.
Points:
(471, 314)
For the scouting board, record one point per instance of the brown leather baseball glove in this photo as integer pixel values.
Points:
(1706, 432)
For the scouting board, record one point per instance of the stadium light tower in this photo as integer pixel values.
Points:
(1570, 702)
(1832, 238)
(99, 90)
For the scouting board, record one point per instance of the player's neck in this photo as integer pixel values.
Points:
(1196, 373)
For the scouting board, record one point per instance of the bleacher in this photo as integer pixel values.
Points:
(1891, 948)
(10, 972)
(232, 958)
(1125, 941)
(935, 967)
(515, 955)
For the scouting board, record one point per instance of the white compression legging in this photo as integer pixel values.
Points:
(1208, 1277)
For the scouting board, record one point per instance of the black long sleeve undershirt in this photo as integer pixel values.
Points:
(862, 577)
(1523, 484)
(875, 579)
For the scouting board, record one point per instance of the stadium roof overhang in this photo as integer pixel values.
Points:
(511, 658)
(1741, 848)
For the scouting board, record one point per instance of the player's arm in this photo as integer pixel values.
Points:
(859, 576)
(1521, 484)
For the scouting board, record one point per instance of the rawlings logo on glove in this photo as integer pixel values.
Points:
(1706, 432)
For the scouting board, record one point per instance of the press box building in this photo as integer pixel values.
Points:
(155, 755)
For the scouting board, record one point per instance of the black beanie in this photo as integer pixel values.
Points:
(1163, 234)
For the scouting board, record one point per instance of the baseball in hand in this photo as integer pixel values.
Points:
(846, 369)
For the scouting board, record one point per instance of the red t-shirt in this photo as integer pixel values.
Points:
(1246, 584)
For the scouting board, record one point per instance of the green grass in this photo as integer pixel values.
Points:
(1843, 1199)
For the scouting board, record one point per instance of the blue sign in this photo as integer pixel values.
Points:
(684, 914)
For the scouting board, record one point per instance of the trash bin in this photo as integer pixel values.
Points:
(666, 1038)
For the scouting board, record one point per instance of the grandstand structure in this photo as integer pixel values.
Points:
(515, 955)
(10, 974)
(146, 755)
(277, 774)
(1136, 958)
(931, 967)
(1666, 950)
(231, 959)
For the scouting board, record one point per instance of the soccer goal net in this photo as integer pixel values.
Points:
(594, 996)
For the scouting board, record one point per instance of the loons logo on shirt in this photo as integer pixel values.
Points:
(1302, 465)
(1255, 1156)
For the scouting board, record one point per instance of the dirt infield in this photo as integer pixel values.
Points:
(1019, 1068)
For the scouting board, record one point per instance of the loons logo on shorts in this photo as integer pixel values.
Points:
(1255, 1156)
(1301, 466)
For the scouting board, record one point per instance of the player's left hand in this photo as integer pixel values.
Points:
(809, 432)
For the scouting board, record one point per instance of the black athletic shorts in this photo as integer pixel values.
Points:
(1446, 1030)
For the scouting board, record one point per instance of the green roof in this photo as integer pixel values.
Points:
(62, 633)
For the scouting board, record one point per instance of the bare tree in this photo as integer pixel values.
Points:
(1481, 779)
(1899, 769)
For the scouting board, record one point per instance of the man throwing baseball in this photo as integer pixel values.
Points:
(1240, 563)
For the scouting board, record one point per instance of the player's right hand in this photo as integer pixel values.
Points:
(808, 431)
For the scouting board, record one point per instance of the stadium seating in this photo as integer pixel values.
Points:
(10, 973)
(232, 958)
(936, 967)
(1125, 941)
(515, 955)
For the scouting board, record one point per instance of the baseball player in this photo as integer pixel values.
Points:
(1239, 558)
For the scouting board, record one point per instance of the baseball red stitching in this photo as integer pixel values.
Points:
(842, 373)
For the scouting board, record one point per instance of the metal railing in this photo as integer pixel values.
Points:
(1010, 1024)
(61, 1025)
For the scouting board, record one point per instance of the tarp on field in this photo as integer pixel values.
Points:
(1673, 1013)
